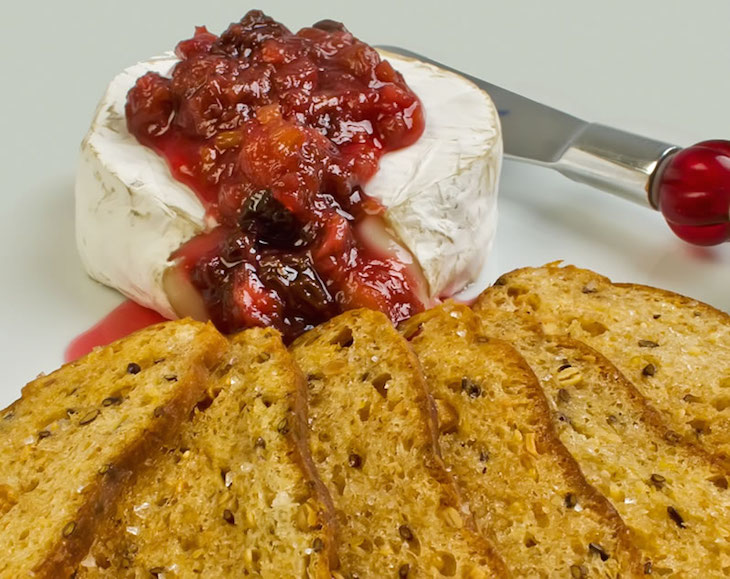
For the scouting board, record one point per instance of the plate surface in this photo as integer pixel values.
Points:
(603, 63)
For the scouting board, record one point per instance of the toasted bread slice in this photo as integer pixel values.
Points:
(75, 437)
(673, 495)
(674, 349)
(236, 494)
(496, 433)
(374, 441)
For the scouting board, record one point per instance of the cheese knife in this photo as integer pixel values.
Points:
(690, 186)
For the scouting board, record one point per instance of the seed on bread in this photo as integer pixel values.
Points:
(598, 550)
(657, 480)
(676, 517)
(405, 533)
(471, 388)
(89, 417)
(112, 401)
(283, 426)
(69, 529)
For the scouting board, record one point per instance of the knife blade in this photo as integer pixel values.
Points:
(610, 159)
(531, 131)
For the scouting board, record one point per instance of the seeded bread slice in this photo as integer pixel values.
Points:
(496, 433)
(236, 494)
(674, 349)
(75, 437)
(673, 495)
(374, 441)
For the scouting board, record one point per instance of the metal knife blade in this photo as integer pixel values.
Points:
(610, 159)
(531, 131)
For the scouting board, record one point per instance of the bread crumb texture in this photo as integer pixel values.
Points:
(565, 426)
(496, 432)
(235, 494)
(69, 444)
(621, 415)
(373, 439)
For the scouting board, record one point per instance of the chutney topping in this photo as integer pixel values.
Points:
(277, 134)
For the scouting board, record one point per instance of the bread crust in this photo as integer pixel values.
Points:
(671, 491)
(463, 331)
(433, 460)
(649, 415)
(69, 552)
(255, 389)
(299, 437)
(701, 423)
(101, 495)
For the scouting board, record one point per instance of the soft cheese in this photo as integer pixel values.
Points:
(440, 192)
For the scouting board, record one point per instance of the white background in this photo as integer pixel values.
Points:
(658, 67)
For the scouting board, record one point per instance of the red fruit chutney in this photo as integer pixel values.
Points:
(277, 133)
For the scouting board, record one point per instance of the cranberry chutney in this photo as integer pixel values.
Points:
(277, 133)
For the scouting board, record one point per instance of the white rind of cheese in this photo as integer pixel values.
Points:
(440, 193)
(131, 214)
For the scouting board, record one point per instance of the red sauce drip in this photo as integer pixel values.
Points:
(120, 322)
(277, 133)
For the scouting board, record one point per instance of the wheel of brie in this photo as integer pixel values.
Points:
(262, 177)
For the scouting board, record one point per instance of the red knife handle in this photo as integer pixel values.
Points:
(692, 190)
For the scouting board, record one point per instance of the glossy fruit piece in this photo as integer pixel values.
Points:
(692, 191)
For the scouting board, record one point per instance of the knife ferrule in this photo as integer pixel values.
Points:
(616, 161)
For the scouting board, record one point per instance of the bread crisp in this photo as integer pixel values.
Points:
(374, 441)
(76, 436)
(675, 350)
(236, 494)
(496, 434)
(673, 495)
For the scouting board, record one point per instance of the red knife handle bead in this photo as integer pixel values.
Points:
(692, 190)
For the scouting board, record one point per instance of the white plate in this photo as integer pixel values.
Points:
(609, 63)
